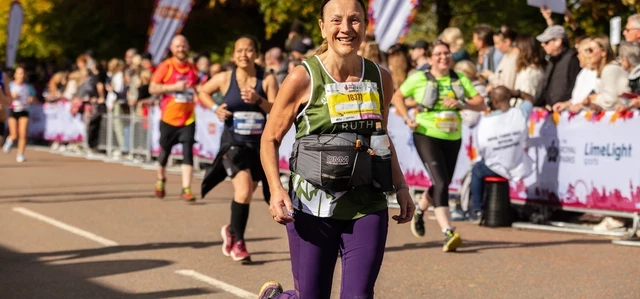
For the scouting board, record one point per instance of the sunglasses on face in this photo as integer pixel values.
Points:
(441, 54)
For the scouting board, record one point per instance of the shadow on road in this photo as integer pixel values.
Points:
(69, 194)
(71, 187)
(477, 246)
(21, 276)
(92, 252)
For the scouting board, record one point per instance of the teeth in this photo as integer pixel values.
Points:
(346, 39)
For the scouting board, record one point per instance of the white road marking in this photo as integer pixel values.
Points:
(218, 284)
(64, 226)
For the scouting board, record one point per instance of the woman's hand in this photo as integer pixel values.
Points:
(452, 103)
(407, 207)
(576, 108)
(280, 207)
(222, 112)
(249, 95)
(561, 106)
(411, 123)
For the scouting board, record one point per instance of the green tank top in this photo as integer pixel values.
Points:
(335, 107)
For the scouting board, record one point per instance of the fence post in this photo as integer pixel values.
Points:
(149, 134)
(109, 133)
(132, 131)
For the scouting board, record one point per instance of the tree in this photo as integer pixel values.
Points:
(32, 38)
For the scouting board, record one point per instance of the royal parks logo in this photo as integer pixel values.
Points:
(594, 152)
(560, 151)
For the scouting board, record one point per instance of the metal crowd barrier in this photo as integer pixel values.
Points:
(125, 134)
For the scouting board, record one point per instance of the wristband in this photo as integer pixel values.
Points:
(400, 186)
(259, 101)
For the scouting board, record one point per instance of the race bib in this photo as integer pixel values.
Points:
(353, 101)
(447, 121)
(184, 96)
(248, 123)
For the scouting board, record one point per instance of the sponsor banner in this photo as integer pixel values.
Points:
(14, 28)
(168, 19)
(589, 161)
(584, 161)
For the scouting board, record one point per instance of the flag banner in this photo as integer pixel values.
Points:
(390, 20)
(14, 26)
(167, 21)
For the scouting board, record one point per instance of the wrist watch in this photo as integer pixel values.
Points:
(400, 186)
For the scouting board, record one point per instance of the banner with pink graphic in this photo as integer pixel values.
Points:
(589, 161)
(56, 122)
(208, 133)
(585, 161)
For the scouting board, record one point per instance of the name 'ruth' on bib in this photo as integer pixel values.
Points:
(353, 101)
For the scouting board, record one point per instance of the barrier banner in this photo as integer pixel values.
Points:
(589, 161)
(584, 161)
(167, 20)
(61, 125)
(208, 133)
(37, 122)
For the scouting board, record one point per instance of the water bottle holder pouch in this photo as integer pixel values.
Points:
(382, 173)
(341, 167)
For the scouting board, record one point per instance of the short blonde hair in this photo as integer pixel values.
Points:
(453, 37)
(467, 68)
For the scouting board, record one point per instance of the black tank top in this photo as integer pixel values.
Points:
(248, 120)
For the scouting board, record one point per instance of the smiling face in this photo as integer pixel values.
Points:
(343, 26)
(244, 53)
(441, 58)
(179, 47)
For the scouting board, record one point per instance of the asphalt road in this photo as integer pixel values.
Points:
(75, 228)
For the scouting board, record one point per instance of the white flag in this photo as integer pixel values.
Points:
(168, 18)
(391, 20)
(16, 17)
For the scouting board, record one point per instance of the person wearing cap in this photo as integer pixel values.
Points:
(299, 50)
(562, 69)
(420, 55)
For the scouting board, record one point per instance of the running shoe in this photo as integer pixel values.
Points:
(452, 241)
(20, 158)
(160, 189)
(227, 240)
(186, 195)
(270, 290)
(417, 225)
(7, 145)
(457, 215)
(239, 252)
(475, 217)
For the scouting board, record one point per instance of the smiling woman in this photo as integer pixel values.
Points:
(331, 208)
(249, 93)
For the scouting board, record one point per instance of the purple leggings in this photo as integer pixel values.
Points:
(314, 244)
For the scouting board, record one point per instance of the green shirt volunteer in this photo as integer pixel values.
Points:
(415, 86)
